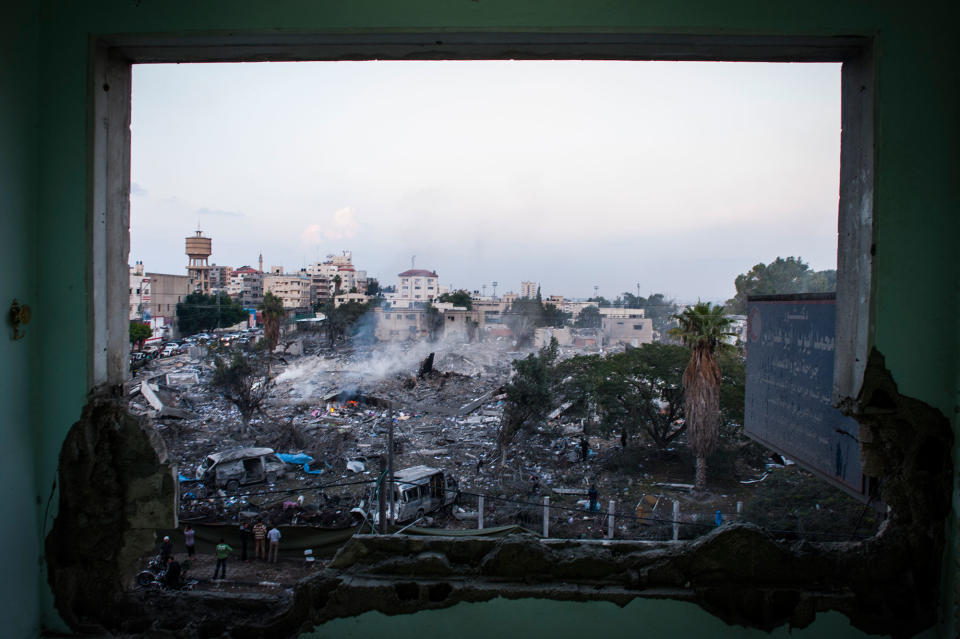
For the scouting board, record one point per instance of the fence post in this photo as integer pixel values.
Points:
(610, 519)
(546, 516)
(676, 520)
(480, 512)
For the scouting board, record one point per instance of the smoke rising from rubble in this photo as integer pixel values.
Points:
(315, 376)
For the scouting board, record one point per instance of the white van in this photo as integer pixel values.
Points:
(419, 490)
(237, 467)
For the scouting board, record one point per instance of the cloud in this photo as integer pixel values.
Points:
(136, 189)
(219, 213)
(341, 225)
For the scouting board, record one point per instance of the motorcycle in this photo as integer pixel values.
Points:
(155, 576)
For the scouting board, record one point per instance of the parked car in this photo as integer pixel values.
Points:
(237, 467)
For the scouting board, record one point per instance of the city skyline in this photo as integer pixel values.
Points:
(676, 176)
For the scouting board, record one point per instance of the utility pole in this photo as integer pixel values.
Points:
(494, 290)
(382, 496)
(484, 287)
(638, 291)
(390, 466)
(596, 294)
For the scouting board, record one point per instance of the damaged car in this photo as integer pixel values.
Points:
(230, 469)
(418, 490)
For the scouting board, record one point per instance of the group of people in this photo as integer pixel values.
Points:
(261, 536)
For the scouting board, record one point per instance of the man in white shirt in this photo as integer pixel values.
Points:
(274, 537)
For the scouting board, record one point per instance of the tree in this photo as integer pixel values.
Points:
(701, 328)
(661, 310)
(638, 390)
(527, 314)
(272, 307)
(199, 312)
(601, 301)
(529, 395)
(241, 384)
(732, 388)
(781, 276)
(642, 389)
(373, 287)
(337, 280)
(139, 332)
(589, 317)
(458, 298)
(554, 316)
(343, 320)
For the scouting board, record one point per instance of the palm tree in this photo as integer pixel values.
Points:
(272, 307)
(702, 329)
(336, 285)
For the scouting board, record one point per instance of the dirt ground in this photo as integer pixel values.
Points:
(254, 575)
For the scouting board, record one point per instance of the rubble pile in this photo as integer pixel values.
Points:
(445, 401)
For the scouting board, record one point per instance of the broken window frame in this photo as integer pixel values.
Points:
(108, 207)
(109, 114)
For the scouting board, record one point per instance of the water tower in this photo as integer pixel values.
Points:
(199, 249)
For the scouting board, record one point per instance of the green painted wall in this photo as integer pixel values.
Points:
(540, 619)
(43, 69)
(19, 101)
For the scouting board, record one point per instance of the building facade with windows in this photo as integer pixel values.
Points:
(417, 285)
(293, 289)
(246, 286)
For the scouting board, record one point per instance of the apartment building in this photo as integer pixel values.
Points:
(323, 274)
(219, 277)
(528, 289)
(417, 285)
(139, 292)
(246, 286)
(293, 289)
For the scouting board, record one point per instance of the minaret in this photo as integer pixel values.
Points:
(261, 262)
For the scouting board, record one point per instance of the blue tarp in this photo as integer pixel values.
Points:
(299, 458)
(295, 458)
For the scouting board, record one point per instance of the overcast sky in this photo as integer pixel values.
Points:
(673, 176)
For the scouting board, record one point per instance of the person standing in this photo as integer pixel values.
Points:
(259, 535)
(189, 538)
(166, 549)
(223, 551)
(244, 537)
(171, 578)
(592, 495)
(274, 537)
